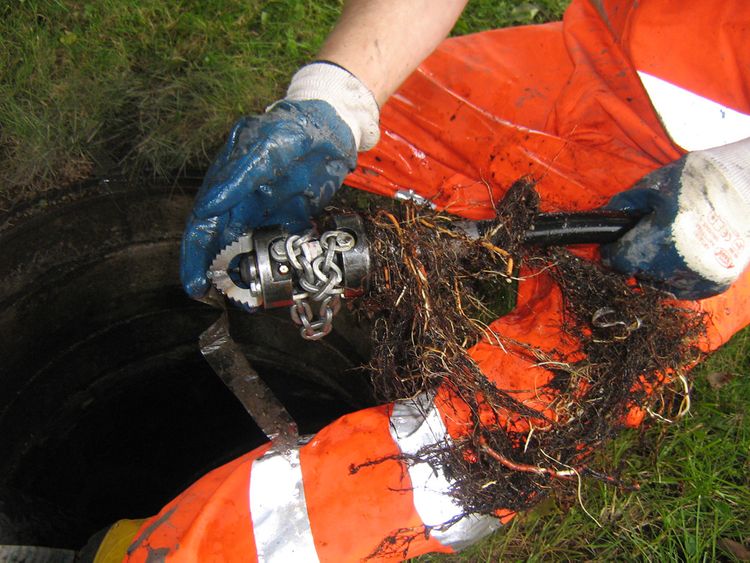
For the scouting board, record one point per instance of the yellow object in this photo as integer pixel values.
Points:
(115, 544)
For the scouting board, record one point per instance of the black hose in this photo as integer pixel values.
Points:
(589, 227)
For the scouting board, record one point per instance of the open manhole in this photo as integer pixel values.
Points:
(107, 408)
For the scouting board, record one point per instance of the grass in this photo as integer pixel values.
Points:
(146, 86)
(151, 87)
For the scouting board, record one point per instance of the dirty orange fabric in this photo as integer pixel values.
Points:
(561, 103)
(706, 53)
(209, 522)
(582, 138)
(352, 509)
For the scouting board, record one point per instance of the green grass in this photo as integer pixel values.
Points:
(491, 14)
(138, 86)
(152, 87)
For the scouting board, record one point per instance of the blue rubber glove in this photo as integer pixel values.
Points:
(694, 241)
(280, 168)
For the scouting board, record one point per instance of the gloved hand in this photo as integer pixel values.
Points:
(280, 168)
(695, 239)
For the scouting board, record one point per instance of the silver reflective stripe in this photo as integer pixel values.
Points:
(278, 509)
(694, 122)
(415, 424)
(414, 197)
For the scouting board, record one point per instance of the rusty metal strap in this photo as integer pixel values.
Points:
(230, 364)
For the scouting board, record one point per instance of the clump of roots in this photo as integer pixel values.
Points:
(436, 286)
(435, 294)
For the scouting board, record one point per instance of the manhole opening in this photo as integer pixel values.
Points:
(107, 408)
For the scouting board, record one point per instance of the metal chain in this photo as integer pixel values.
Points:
(319, 276)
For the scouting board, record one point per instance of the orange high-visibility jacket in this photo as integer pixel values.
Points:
(586, 106)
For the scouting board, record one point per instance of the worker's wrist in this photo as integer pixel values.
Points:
(351, 99)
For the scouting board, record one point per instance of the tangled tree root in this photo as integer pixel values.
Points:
(435, 294)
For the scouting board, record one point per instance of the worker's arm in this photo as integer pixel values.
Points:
(382, 41)
(284, 166)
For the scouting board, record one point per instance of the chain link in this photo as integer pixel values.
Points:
(319, 276)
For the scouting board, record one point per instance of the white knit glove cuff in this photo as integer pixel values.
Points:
(711, 230)
(351, 99)
(733, 161)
